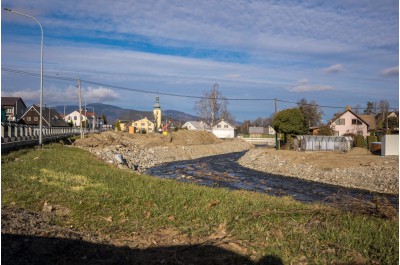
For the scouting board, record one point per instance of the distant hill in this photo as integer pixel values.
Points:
(113, 113)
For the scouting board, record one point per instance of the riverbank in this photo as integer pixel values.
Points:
(57, 198)
(355, 169)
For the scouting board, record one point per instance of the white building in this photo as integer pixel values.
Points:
(224, 129)
(90, 117)
(196, 126)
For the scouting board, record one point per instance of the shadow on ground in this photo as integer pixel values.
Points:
(20, 249)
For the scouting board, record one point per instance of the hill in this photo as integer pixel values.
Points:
(113, 113)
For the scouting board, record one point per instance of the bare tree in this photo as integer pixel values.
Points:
(213, 106)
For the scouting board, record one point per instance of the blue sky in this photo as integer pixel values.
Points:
(337, 53)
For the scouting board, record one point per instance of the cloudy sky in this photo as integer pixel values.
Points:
(337, 53)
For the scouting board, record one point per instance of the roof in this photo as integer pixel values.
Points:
(199, 125)
(257, 130)
(223, 121)
(370, 120)
(10, 101)
(338, 115)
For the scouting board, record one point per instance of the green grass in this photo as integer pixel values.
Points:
(95, 191)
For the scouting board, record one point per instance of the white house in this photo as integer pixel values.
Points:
(89, 117)
(196, 126)
(349, 122)
(224, 129)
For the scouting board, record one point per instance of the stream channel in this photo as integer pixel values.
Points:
(224, 171)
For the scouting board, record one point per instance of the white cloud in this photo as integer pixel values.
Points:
(392, 71)
(100, 94)
(304, 86)
(333, 69)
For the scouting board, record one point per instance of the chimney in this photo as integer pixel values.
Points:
(348, 107)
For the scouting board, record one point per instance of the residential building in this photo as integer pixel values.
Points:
(224, 129)
(50, 117)
(349, 122)
(14, 108)
(143, 125)
(87, 116)
(196, 126)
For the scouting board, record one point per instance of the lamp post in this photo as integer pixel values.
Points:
(41, 72)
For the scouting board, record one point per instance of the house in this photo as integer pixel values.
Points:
(256, 132)
(73, 118)
(349, 122)
(143, 126)
(124, 124)
(224, 129)
(49, 115)
(196, 126)
(14, 108)
(87, 116)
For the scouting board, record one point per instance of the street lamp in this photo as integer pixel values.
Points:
(41, 72)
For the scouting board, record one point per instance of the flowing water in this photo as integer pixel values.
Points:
(224, 171)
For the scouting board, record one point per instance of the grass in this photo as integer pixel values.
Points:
(108, 200)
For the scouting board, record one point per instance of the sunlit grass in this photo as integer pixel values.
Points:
(105, 199)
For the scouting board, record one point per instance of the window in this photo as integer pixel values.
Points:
(11, 110)
(142, 124)
(28, 118)
(218, 126)
(75, 118)
(340, 122)
(35, 118)
(359, 133)
(356, 122)
(225, 126)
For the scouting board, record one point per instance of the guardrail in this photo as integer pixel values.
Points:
(17, 135)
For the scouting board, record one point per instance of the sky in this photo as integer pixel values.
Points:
(337, 53)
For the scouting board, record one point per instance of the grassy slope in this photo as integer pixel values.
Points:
(96, 192)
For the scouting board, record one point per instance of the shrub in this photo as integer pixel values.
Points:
(360, 141)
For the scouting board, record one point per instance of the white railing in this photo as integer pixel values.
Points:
(12, 133)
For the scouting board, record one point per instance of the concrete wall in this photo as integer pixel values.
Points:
(390, 145)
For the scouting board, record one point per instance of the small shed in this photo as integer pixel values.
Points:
(323, 143)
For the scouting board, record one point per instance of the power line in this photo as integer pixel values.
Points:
(65, 78)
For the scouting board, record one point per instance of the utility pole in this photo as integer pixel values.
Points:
(276, 133)
(80, 106)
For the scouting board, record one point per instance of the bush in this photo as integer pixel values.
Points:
(360, 141)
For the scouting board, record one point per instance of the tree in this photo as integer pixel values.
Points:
(290, 121)
(213, 106)
(104, 118)
(325, 130)
(244, 128)
(371, 106)
(117, 126)
(312, 112)
(393, 123)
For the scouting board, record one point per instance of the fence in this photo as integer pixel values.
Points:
(15, 135)
(323, 143)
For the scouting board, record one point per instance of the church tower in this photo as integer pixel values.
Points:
(157, 114)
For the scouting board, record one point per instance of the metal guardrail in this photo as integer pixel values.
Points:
(18, 135)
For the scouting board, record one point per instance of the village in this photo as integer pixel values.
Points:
(345, 130)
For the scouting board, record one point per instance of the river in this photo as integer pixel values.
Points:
(224, 171)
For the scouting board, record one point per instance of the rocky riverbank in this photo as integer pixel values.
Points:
(356, 169)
